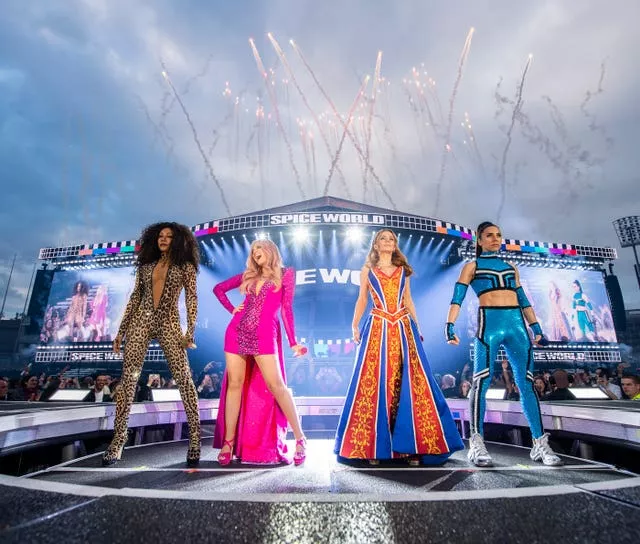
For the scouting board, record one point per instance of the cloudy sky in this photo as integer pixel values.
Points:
(94, 144)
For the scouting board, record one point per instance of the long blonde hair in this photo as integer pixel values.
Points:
(272, 270)
(397, 257)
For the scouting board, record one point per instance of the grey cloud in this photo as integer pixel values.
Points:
(116, 173)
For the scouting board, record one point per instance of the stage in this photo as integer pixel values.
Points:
(151, 497)
(25, 424)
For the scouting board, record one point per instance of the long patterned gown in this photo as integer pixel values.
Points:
(394, 406)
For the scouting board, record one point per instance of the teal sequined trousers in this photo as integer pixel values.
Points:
(503, 326)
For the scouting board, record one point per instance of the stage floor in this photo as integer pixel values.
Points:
(150, 496)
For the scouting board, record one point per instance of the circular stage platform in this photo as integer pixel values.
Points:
(150, 496)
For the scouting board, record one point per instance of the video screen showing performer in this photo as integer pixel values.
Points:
(85, 305)
(572, 305)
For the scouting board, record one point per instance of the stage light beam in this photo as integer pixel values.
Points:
(300, 235)
(355, 234)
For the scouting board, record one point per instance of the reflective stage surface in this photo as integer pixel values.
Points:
(150, 496)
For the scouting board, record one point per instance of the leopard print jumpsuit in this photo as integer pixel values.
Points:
(140, 324)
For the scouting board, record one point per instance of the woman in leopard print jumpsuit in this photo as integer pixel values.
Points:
(167, 261)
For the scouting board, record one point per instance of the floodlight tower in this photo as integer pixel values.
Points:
(628, 231)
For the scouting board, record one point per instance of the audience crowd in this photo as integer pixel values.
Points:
(618, 384)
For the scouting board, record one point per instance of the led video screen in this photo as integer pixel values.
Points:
(87, 305)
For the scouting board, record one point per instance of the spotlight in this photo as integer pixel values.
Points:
(300, 235)
(262, 236)
(354, 234)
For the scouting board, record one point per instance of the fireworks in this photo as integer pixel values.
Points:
(447, 137)
(276, 111)
(196, 139)
(262, 141)
(517, 107)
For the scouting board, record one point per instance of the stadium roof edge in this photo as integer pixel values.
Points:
(321, 203)
(298, 212)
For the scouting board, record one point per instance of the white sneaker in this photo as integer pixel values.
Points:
(478, 454)
(541, 451)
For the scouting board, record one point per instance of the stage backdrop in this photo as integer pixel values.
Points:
(327, 281)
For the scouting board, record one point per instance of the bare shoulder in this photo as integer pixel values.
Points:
(469, 267)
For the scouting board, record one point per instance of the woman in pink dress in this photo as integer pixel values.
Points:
(255, 403)
(98, 317)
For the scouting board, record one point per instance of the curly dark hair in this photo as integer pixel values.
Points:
(184, 246)
(84, 288)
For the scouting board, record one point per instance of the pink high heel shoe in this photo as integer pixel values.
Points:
(300, 455)
(225, 458)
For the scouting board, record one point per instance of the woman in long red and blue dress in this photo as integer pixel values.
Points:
(394, 407)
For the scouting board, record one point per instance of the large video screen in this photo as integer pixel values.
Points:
(571, 305)
(87, 305)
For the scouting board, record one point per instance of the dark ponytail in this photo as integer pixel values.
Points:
(481, 228)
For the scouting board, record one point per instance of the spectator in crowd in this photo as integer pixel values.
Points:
(465, 386)
(87, 382)
(328, 380)
(540, 386)
(216, 383)
(580, 379)
(631, 386)
(511, 389)
(560, 381)
(71, 383)
(53, 383)
(612, 390)
(143, 393)
(28, 390)
(448, 386)
(208, 382)
(4, 390)
(100, 392)
(205, 388)
(466, 374)
(622, 370)
(588, 378)
(114, 385)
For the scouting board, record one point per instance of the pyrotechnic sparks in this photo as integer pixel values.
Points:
(197, 141)
(342, 123)
(372, 105)
(252, 143)
(344, 134)
(276, 111)
(514, 115)
(305, 101)
(452, 100)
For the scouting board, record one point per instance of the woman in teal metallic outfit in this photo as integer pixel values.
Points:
(583, 308)
(501, 322)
